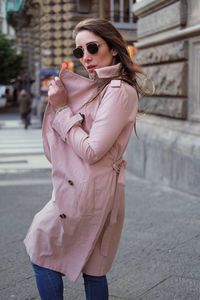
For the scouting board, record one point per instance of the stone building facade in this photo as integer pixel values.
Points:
(44, 29)
(168, 149)
(5, 28)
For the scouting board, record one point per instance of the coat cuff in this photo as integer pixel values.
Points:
(64, 121)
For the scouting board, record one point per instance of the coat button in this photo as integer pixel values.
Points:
(70, 182)
(63, 216)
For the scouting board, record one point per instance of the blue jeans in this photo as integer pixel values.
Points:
(50, 285)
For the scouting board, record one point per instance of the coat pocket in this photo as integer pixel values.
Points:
(85, 198)
(94, 195)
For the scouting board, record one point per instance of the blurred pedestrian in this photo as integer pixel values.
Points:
(24, 100)
(8, 96)
(87, 126)
(15, 95)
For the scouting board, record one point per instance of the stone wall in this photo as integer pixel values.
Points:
(166, 63)
(194, 80)
(168, 39)
(167, 151)
(166, 18)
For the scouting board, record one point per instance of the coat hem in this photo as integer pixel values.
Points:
(43, 262)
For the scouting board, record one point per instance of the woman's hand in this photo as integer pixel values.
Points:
(57, 94)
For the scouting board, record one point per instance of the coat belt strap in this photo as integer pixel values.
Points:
(119, 167)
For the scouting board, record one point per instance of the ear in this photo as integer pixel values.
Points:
(114, 52)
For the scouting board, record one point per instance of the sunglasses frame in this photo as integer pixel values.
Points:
(92, 52)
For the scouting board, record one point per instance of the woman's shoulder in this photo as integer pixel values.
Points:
(122, 88)
(123, 85)
(120, 93)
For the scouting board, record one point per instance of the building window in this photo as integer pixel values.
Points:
(83, 6)
(120, 13)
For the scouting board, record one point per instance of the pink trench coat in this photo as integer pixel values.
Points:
(80, 227)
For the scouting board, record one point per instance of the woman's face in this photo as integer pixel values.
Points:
(103, 58)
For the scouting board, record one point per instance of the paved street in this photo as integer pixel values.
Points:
(159, 253)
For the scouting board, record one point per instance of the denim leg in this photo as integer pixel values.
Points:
(96, 287)
(49, 283)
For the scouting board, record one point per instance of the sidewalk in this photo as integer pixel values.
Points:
(159, 253)
(20, 149)
(158, 257)
(17, 123)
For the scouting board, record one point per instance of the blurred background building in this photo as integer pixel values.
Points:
(44, 29)
(167, 34)
(4, 26)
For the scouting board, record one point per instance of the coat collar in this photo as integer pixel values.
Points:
(108, 72)
(101, 73)
(80, 88)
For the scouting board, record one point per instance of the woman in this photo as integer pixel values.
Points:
(86, 129)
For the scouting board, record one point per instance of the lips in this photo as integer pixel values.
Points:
(91, 68)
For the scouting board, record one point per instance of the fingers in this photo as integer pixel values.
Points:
(56, 83)
(57, 94)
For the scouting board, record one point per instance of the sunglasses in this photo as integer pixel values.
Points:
(92, 48)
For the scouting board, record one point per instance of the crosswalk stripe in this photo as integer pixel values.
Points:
(21, 149)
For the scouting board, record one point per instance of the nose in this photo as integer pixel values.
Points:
(86, 56)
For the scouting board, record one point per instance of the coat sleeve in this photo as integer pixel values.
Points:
(118, 107)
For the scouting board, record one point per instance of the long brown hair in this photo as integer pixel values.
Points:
(107, 31)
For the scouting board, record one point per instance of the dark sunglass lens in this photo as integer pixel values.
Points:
(78, 53)
(92, 48)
